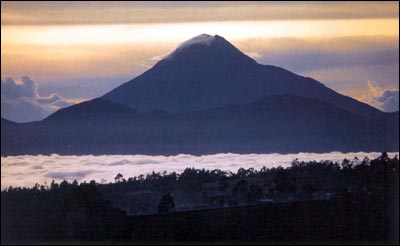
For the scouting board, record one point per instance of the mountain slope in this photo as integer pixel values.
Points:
(207, 72)
(279, 123)
(97, 108)
(208, 97)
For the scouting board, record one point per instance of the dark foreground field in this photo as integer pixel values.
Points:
(81, 213)
(348, 220)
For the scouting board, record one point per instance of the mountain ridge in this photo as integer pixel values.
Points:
(207, 75)
(278, 123)
(208, 97)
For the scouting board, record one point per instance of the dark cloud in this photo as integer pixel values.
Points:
(145, 162)
(26, 88)
(21, 102)
(36, 167)
(138, 162)
(121, 162)
(69, 175)
(19, 163)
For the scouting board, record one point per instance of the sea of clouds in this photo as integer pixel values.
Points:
(26, 170)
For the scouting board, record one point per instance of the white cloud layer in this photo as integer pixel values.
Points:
(386, 100)
(26, 170)
(21, 102)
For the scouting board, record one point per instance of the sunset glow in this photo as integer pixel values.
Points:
(63, 46)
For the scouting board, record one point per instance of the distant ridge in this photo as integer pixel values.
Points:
(208, 97)
(274, 124)
(95, 108)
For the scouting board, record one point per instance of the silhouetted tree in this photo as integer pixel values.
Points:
(64, 185)
(283, 181)
(240, 187)
(223, 184)
(166, 204)
(384, 156)
(309, 189)
(118, 178)
(85, 212)
(255, 193)
(346, 164)
(53, 185)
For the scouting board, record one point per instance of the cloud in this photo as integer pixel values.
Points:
(69, 175)
(37, 167)
(341, 63)
(159, 57)
(119, 163)
(386, 100)
(316, 54)
(25, 88)
(51, 99)
(254, 55)
(21, 102)
(19, 163)
(26, 170)
(45, 13)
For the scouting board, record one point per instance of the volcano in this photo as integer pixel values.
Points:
(207, 72)
(208, 97)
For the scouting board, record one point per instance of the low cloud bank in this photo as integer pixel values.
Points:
(26, 170)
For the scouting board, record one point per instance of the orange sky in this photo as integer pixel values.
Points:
(81, 50)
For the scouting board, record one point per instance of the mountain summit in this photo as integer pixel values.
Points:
(208, 97)
(207, 72)
(208, 48)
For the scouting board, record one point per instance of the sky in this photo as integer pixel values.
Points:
(54, 54)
